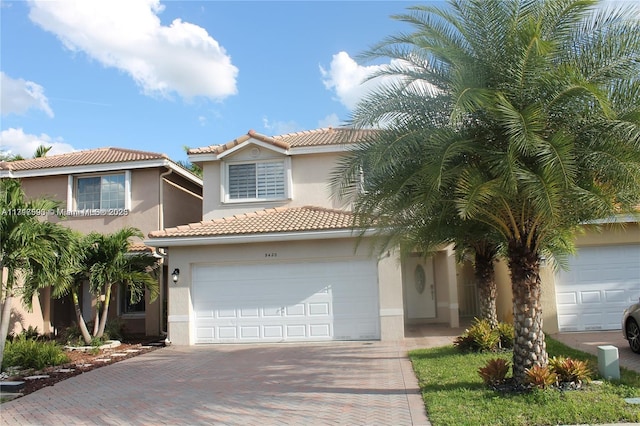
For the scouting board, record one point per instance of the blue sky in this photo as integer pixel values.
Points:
(157, 76)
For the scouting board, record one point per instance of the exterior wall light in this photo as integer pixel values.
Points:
(175, 275)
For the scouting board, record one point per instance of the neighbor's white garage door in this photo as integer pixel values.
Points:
(600, 283)
(276, 302)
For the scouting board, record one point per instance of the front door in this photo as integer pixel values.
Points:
(420, 288)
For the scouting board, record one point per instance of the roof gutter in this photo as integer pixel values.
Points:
(255, 238)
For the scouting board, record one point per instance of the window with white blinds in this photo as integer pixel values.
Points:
(264, 180)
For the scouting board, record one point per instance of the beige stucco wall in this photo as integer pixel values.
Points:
(182, 202)
(310, 175)
(144, 212)
(610, 234)
(184, 258)
(181, 207)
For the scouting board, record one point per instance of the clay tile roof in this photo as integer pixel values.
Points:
(294, 219)
(139, 248)
(317, 137)
(82, 158)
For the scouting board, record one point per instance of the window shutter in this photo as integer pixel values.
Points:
(242, 181)
(270, 180)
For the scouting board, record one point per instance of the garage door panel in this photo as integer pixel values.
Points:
(600, 283)
(293, 301)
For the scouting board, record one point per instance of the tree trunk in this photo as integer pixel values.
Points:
(96, 318)
(485, 277)
(82, 325)
(4, 321)
(105, 311)
(529, 346)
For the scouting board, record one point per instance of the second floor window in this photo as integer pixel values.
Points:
(262, 180)
(100, 192)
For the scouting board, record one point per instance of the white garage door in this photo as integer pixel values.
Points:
(600, 283)
(286, 302)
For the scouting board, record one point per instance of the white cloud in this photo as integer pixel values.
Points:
(280, 127)
(331, 120)
(16, 141)
(349, 81)
(18, 96)
(128, 35)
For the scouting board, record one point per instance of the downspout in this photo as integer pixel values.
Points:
(161, 198)
(162, 278)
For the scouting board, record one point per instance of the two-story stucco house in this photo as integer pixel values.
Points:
(274, 258)
(105, 190)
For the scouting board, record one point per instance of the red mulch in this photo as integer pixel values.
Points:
(77, 362)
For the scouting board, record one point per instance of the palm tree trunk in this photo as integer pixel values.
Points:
(485, 278)
(529, 346)
(96, 318)
(4, 321)
(105, 311)
(82, 325)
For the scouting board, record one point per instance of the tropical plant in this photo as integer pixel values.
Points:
(570, 370)
(495, 371)
(523, 116)
(541, 377)
(482, 337)
(107, 261)
(42, 151)
(33, 253)
(33, 353)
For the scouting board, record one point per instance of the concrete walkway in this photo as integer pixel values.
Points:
(589, 342)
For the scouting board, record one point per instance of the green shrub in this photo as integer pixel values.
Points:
(541, 377)
(570, 370)
(28, 353)
(507, 335)
(114, 329)
(481, 337)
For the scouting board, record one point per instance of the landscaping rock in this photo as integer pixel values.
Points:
(38, 376)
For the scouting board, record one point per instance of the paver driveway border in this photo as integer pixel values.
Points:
(351, 383)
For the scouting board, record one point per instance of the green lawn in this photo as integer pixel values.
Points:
(454, 394)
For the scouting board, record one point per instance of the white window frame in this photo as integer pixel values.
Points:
(224, 181)
(72, 188)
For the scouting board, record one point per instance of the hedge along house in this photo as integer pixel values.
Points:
(105, 190)
(274, 258)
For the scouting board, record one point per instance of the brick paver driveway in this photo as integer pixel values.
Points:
(347, 383)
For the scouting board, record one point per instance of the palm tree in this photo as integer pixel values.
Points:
(105, 261)
(42, 151)
(33, 252)
(109, 263)
(524, 116)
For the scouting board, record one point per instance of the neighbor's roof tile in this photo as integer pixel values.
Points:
(295, 219)
(318, 137)
(82, 158)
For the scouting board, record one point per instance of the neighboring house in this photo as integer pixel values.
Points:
(600, 281)
(275, 258)
(105, 190)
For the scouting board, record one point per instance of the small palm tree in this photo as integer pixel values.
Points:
(110, 263)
